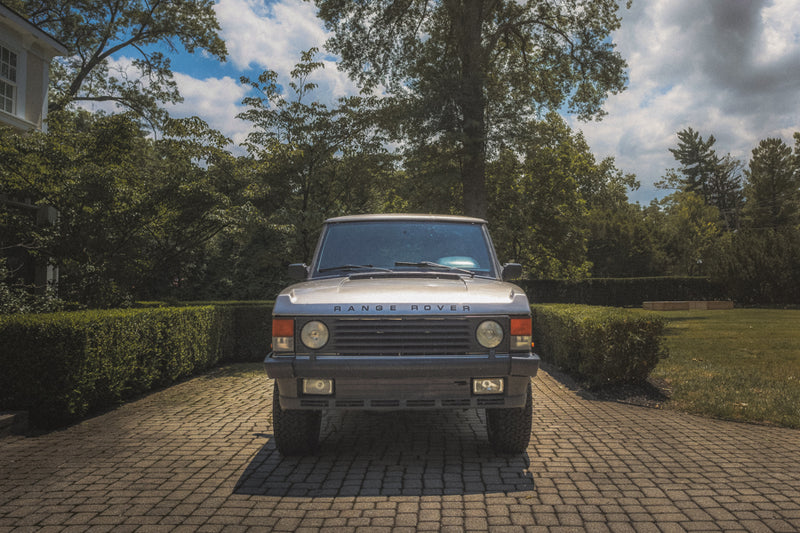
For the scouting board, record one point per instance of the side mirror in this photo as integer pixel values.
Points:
(512, 271)
(298, 271)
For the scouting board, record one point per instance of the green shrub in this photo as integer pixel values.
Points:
(622, 292)
(599, 345)
(62, 366)
(252, 323)
(15, 297)
(759, 266)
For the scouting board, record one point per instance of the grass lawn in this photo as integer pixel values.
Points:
(742, 364)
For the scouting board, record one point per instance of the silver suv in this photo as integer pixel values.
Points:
(401, 312)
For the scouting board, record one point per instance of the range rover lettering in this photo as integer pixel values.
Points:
(402, 312)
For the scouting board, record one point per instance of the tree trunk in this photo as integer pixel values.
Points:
(473, 107)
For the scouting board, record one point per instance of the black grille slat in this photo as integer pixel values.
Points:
(402, 337)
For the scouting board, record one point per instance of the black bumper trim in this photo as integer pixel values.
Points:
(282, 367)
(368, 404)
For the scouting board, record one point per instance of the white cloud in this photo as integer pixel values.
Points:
(268, 36)
(726, 68)
(215, 100)
(272, 36)
(259, 36)
(781, 22)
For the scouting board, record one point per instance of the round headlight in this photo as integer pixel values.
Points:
(489, 334)
(314, 334)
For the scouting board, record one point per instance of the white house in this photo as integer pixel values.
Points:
(25, 55)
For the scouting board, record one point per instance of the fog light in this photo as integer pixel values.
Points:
(318, 386)
(488, 386)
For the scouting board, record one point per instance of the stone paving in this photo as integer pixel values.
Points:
(198, 457)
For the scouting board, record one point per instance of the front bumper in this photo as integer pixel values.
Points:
(402, 383)
(286, 367)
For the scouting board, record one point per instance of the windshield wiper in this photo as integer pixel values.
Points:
(431, 264)
(353, 267)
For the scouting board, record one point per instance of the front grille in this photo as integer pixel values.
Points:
(402, 336)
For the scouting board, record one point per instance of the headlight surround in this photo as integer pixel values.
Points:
(314, 335)
(489, 334)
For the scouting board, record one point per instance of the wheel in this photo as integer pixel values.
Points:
(509, 430)
(296, 432)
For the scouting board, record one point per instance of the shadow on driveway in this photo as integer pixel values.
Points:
(364, 453)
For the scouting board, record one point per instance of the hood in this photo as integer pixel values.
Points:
(401, 295)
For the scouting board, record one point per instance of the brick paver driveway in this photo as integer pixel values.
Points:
(199, 456)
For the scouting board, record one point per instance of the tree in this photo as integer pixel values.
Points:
(758, 266)
(773, 185)
(698, 162)
(622, 242)
(428, 182)
(311, 161)
(94, 31)
(135, 214)
(725, 190)
(717, 180)
(536, 209)
(469, 70)
(686, 228)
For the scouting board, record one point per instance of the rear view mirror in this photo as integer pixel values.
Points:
(298, 271)
(512, 271)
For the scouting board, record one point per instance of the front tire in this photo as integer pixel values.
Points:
(509, 430)
(296, 432)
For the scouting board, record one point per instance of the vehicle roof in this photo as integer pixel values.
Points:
(401, 216)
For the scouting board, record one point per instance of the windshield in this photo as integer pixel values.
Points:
(403, 245)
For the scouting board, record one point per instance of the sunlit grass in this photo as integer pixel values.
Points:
(742, 364)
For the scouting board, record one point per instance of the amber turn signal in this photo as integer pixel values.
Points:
(283, 327)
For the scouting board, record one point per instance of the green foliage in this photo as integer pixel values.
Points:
(62, 366)
(17, 298)
(310, 161)
(716, 180)
(546, 193)
(134, 214)
(698, 162)
(536, 209)
(599, 345)
(429, 181)
(624, 292)
(622, 242)
(759, 266)
(95, 30)
(686, 228)
(749, 246)
(773, 186)
(470, 72)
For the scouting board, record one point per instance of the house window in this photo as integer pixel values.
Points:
(8, 79)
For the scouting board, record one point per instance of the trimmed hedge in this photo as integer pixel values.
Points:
(599, 345)
(622, 292)
(62, 366)
(252, 323)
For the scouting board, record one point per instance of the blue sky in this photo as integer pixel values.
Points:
(730, 68)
